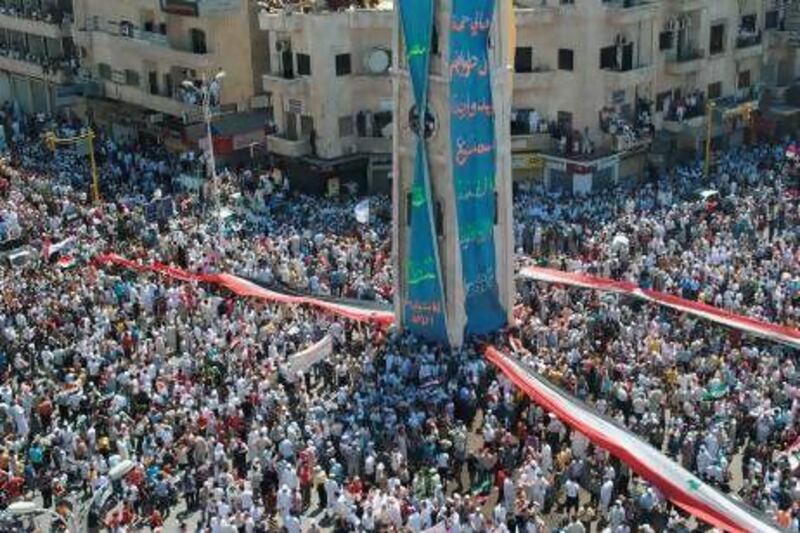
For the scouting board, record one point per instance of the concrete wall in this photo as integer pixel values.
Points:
(585, 27)
(228, 41)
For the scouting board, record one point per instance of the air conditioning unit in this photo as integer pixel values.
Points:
(284, 45)
(241, 107)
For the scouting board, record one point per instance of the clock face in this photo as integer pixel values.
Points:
(430, 122)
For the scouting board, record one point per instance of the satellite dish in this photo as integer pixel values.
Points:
(378, 61)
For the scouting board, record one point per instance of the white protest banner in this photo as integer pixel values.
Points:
(305, 359)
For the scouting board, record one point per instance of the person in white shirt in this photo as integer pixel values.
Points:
(571, 489)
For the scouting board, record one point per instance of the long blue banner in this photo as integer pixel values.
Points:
(473, 152)
(424, 313)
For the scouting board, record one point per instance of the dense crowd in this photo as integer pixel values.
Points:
(733, 243)
(182, 383)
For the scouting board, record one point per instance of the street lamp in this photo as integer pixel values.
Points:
(205, 93)
(709, 126)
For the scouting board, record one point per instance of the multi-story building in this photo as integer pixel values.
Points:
(37, 55)
(330, 91)
(139, 53)
(595, 83)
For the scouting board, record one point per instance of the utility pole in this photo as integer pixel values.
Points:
(53, 141)
(709, 129)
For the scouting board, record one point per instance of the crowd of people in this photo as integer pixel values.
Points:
(732, 243)
(182, 383)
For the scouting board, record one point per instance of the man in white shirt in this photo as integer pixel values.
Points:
(571, 489)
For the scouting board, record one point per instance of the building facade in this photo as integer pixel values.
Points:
(124, 64)
(596, 85)
(38, 61)
(330, 92)
(138, 54)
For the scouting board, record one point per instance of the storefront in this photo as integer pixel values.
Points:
(569, 176)
(527, 167)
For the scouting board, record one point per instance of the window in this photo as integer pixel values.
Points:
(665, 40)
(661, 98)
(125, 28)
(608, 57)
(198, 38)
(435, 40)
(346, 126)
(152, 80)
(771, 19)
(523, 59)
(131, 77)
(343, 64)
(714, 90)
(716, 43)
(187, 8)
(304, 64)
(743, 81)
(748, 23)
(566, 59)
(104, 71)
(306, 125)
(564, 119)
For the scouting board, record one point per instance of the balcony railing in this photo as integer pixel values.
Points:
(58, 70)
(689, 55)
(49, 15)
(52, 26)
(288, 147)
(748, 40)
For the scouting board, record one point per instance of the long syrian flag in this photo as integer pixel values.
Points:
(243, 287)
(774, 332)
(680, 486)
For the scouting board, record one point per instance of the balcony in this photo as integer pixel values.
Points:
(531, 142)
(287, 147)
(374, 145)
(162, 104)
(685, 62)
(625, 12)
(11, 62)
(150, 47)
(748, 46)
(44, 27)
(278, 84)
(619, 79)
(691, 124)
(542, 78)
